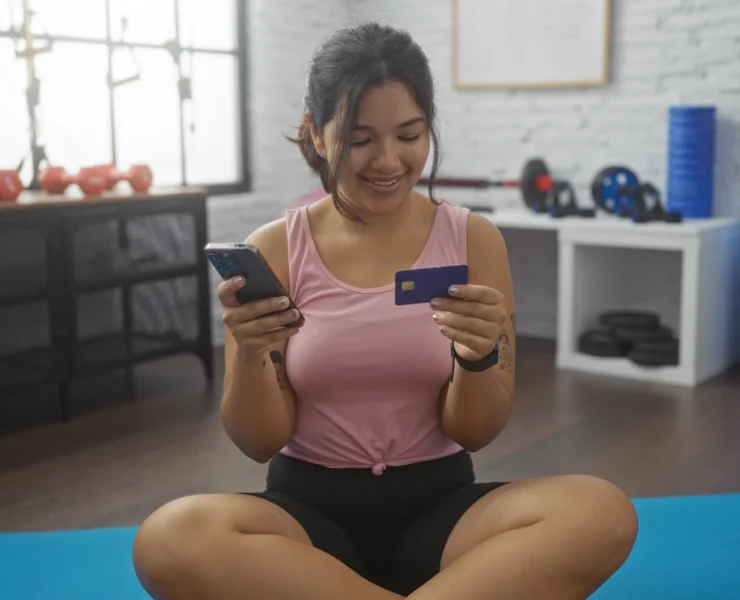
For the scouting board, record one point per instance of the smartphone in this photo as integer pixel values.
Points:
(417, 286)
(231, 260)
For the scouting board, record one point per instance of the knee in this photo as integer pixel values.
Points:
(166, 544)
(609, 517)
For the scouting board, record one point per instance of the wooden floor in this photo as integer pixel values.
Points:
(114, 466)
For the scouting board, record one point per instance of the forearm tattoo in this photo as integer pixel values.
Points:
(505, 353)
(277, 361)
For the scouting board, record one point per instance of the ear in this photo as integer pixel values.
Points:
(318, 140)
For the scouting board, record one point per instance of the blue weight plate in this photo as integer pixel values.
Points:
(605, 189)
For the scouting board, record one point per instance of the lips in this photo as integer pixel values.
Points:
(383, 185)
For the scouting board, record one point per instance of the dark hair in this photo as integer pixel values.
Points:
(342, 69)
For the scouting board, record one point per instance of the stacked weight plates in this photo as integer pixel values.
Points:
(691, 160)
(636, 335)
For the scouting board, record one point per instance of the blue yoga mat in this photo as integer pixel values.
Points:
(688, 548)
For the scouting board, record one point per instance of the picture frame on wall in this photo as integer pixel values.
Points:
(529, 44)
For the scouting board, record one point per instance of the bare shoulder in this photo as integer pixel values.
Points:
(485, 243)
(272, 241)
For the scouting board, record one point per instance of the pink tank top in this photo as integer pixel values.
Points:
(366, 373)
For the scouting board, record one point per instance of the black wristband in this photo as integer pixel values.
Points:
(474, 366)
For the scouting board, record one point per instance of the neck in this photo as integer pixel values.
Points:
(384, 224)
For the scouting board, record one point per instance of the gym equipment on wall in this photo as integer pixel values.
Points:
(637, 336)
(541, 192)
(618, 191)
(33, 91)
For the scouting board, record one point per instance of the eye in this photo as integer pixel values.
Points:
(410, 138)
(360, 143)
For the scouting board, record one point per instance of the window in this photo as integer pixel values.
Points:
(160, 82)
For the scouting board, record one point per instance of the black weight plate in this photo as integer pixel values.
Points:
(653, 359)
(605, 189)
(629, 318)
(533, 198)
(669, 345)
(639, 334)
(599, 342)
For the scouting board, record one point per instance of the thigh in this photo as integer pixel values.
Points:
(583, 503)
(175, 533)
(418, 555)
(321, 531)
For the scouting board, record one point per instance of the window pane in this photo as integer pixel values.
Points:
(149, 21)
(11, 13)
(74, 117)
(212, 149)
(147, 118)
(13, 110)
(208, 24)
(78, 18)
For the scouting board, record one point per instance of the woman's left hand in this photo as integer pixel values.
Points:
(472, 319)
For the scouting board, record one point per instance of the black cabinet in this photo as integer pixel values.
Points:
(101, 283)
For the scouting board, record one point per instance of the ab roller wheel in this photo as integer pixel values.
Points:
(612, 189)
(618, 190)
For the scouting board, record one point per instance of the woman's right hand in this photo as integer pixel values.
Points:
(255, 325)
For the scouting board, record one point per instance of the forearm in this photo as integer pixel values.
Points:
(254, 411)
(476, 408)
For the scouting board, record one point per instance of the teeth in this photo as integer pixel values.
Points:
(385, 183)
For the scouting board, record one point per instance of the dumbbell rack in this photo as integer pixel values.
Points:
(100, 283)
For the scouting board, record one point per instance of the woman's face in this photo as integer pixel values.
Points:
(389, 149)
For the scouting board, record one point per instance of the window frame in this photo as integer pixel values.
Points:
(244, 184)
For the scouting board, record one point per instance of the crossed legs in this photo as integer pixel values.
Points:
(545, 539)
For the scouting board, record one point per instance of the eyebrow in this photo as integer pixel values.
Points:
(408, 123)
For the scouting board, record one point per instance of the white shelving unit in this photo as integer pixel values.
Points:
(609, 263)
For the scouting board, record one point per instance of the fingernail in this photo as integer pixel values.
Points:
(283, 302)
(238, 280)
(435, 303)
(294, 314)
(454, 290)
(435, 316)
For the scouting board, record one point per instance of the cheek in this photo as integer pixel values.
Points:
(357, 161)
(416, 155)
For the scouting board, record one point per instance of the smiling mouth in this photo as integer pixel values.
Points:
(383, 182)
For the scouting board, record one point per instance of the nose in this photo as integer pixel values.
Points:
(386, 158)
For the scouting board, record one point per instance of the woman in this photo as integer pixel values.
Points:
(368, 413)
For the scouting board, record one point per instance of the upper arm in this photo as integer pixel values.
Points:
(272, 242)
(488, 264)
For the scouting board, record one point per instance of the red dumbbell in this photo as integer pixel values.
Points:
(10, 186)
(93, 181)
(139, 177)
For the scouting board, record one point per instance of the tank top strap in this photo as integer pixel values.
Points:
(448, 243)
(299, 251)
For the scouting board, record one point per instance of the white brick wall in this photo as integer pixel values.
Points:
(664, 52)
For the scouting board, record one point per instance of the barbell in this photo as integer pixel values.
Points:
(540, 190)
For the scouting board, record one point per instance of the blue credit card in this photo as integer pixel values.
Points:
(417, 286)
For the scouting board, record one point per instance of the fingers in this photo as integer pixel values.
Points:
(487, 312)
(238, 320)
(479, 327)
(481, 346)
(255, 335)
(477, 293)
(256, 345)
(227, 290)
(227, 295)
